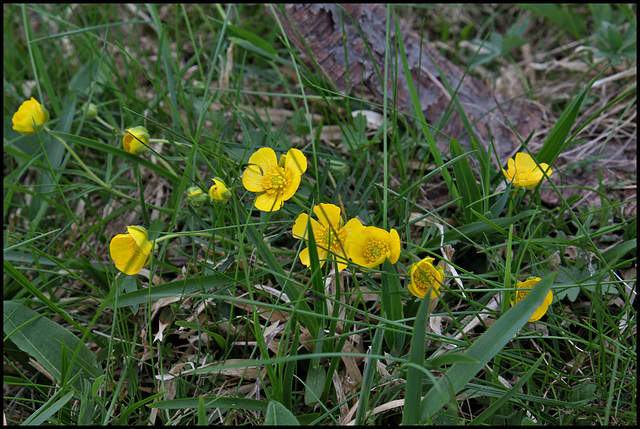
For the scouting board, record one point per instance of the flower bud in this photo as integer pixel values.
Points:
(219, 191)
(136, 140)
(131, 251)
(91, 109)
(196, 196)
(30, 117)
(339, 168)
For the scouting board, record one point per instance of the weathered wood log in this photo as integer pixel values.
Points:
(336, 38)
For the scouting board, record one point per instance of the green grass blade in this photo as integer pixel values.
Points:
(557, 141)
(494, 407)
(211, 402)
(47, 410)
(485, 348)
(420, 116)
(413, 391)
(466, 182)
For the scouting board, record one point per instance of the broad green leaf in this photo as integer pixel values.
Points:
(43, 339)
(314, 384)
(278, 415)
(484, 349)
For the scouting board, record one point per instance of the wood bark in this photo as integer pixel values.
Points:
(348, 41)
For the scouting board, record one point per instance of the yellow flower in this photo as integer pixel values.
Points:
(275, 182)
(31, 116)
(219, 191)
(523, 172)
(136, 140)
(369, 246)
(329, 233)
(520, 294)
(424, 276)
(131, 251)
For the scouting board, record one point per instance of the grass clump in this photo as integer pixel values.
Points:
(290, 258)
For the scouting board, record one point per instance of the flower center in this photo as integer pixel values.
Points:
(278, 181)
(521, 294)
(424, 279)
(332, 240)
(374, 249)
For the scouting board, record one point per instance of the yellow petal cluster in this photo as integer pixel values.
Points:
(524, 172)
(275, 182)
(369, 246)
(136, 140)
(329, 233)
(425, 276)
(30, 117)
(520, 294)
(131, 251)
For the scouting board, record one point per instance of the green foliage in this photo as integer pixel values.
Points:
(499, 46)
(225, 325)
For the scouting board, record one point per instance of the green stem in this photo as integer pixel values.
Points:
(84, 166)
(195, 234)
(92, 175)
(104, 123)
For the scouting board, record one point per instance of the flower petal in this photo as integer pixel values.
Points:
(264, 158)
(253, 179)
(395, 246)
(300, 226)
(328, 215)
(291, 188)
(295, 161)
(269, 202)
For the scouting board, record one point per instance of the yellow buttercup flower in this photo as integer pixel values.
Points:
(520, 294)
(425, 276)
(329, 233)
(30, 117)
(219, 191)
(274, 182)
(524, 172)
(131, 251)
(369, 246)
(136, 140)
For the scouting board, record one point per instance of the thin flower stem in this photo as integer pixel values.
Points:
(105, 123)
(84, 166)
(91, 174)
(297, 200)
(195, 234)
